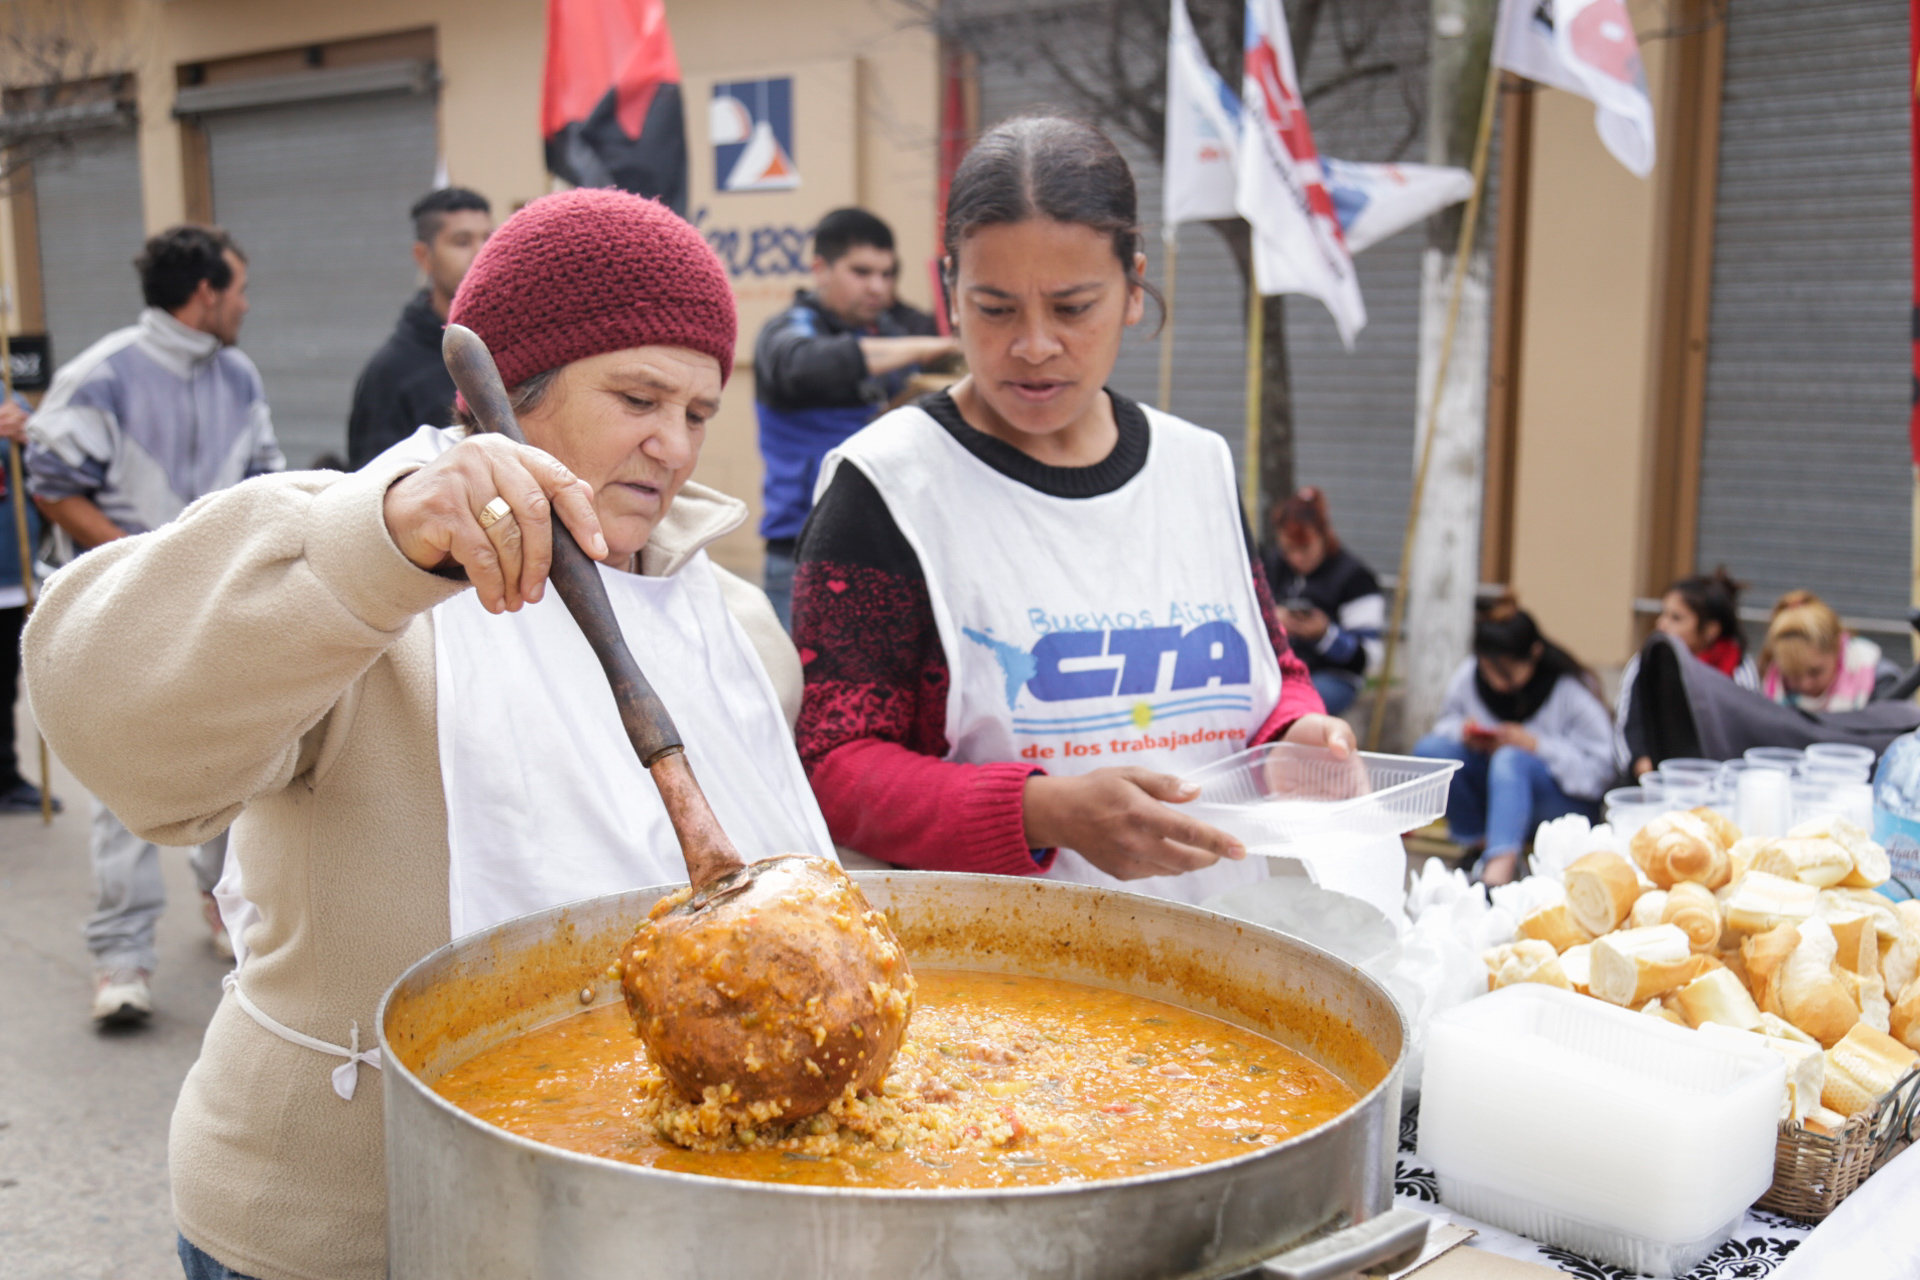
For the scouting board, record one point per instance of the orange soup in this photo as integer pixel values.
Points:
(1002, 1081)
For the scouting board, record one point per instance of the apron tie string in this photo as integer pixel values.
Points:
(346, 1076)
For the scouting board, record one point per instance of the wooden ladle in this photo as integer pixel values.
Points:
(770, 987)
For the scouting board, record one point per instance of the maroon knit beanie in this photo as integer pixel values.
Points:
(589, 271)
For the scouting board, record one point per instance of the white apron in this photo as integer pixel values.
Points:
(546, 801)
(1082, 633)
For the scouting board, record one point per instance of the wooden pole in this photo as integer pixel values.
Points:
(1482, 145)
(1256, 345)
(16, 475)
(1172, 239)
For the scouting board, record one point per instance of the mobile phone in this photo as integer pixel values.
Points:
(1298, 604)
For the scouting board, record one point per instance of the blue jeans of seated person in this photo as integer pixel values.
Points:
(1337, 689)
(1502, 796)
(201, 1265)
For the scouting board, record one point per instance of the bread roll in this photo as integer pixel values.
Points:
(1813, 860)
(1646, 909)
(1661, 1009)
(1692, 907)
(1601, 889)
(1811, 997)
(1903, 1021)
(1717, 996)
(1853, 930)
(1740, 854)
(1555, 925)
(1820, 1120)
(1763, 956)
(1863, 1065)
(1722, 826)
(1679, 847)
(1577, 964)
(1806, 1067)
(1870, 994)
(1887, 918)
(1871, 868)
(1761, 901)
(1779, 1028)
(1529, 960)
(1633, 966)
(1900, 958)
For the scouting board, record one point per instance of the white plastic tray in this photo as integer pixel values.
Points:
(1279, 794)
(1598, 1129)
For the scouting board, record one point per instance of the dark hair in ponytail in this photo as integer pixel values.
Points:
(1047, 167)
(1714, 597)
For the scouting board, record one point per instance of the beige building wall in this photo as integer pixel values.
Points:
(1585, 383)
(879, 152)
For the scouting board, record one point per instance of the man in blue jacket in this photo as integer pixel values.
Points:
(827, 366)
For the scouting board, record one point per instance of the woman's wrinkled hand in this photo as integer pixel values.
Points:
(433, 516)
(1115, 819)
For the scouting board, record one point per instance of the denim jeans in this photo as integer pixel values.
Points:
(776, 579)
(1502, 796)
(1337, 689)
(201, 1265)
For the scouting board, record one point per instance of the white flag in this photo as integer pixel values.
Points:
(1202, 117)
(1376, 201)
(1585, 47)
(1297, 245)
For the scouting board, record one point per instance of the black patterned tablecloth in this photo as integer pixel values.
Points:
(1761, 1243)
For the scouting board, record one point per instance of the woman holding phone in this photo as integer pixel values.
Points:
(1025, 606)
(1534, 739)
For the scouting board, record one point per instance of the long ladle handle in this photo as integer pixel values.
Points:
(708, 853)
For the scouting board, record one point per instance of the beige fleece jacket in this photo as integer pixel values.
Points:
(267, 660)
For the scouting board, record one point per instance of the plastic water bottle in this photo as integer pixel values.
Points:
(1896, 809)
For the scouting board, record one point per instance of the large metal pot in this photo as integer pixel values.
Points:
(468, 1201)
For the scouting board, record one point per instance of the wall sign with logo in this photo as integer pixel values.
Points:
(751, 122)
(765, 129)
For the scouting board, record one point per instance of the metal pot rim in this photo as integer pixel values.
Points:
(391, 1062)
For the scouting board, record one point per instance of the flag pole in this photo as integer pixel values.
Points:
(1171, 237)
(1256, 341)
(1469, 220)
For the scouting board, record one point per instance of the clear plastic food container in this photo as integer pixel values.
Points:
(1597, 1129)
(1276, 795)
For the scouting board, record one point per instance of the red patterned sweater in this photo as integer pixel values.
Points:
(872, 729)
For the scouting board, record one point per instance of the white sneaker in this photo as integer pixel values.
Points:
(121, 998)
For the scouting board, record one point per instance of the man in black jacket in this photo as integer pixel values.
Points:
(406, 384)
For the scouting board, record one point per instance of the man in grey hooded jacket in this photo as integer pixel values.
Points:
(134, 428)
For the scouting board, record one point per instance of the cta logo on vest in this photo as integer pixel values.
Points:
(1196, 668)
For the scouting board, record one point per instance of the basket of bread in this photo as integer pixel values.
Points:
(1784, 939)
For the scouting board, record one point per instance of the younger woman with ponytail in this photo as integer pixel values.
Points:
(1027, 605)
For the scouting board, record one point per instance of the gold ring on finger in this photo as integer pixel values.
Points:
(494, 512)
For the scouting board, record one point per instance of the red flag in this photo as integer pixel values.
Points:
(610, 110)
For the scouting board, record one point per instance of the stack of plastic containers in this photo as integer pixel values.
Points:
(1622, 1137)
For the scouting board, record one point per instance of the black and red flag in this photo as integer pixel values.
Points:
(610, 110)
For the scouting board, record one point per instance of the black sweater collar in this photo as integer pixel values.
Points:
(1129, 453)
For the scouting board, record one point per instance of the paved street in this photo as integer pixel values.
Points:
(83, 1114)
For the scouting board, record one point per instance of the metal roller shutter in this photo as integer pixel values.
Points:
(317, 194)
(1805, 480)
(87, 202)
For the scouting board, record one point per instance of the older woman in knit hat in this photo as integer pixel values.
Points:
(365, 676)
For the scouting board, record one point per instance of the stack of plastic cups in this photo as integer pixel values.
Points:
(1785, 759)
(1628, 809)
(1822, 753)
(1763, 802)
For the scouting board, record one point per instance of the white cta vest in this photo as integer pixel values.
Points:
(1083, 633)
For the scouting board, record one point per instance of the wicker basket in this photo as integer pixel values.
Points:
(1813, 1173)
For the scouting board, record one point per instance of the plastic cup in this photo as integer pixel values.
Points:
(1685, 765)
(1812, 798)
(1823, 752)
(1854, 802)
(1785, 759)
(1763, 802)
(1836, 773)
(1692, 794)
(1654, 786)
